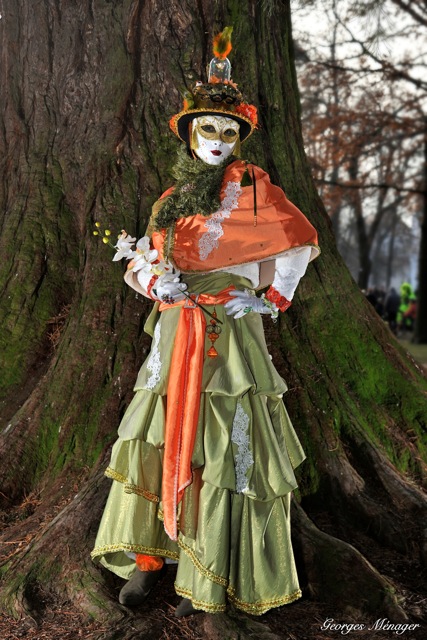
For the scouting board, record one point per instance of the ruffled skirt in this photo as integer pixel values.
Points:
(234, 520)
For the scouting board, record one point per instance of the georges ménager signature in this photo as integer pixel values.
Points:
(399, 628)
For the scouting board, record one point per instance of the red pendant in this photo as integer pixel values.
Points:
(213, 331)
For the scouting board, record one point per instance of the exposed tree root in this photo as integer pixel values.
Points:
(360, 486)
(335, 572)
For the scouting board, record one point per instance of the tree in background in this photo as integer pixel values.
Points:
(86, 93)
(364, 101)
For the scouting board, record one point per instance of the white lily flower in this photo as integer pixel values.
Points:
(143, 257)
(143, 249)
(139, 264)
(143, 244)
(123, 246)
(161, 268)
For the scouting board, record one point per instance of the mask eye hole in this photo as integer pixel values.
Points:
(208, 128)
(230, 132)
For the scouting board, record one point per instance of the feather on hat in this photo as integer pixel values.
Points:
(219, 96)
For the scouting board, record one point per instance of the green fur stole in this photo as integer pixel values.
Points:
(197, 190)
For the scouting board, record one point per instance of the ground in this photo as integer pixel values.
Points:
(418, 351)
(302, 620)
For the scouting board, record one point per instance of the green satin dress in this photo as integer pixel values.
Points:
(234, 520)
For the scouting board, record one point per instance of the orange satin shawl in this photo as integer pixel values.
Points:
(280, 226)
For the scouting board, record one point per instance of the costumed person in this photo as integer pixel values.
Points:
(407, 309)
(203, 469)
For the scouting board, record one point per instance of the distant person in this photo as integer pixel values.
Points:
(376, 296)
(391, 308)
(407, 308)
(380, 296)
(371, 296)
(410, 315)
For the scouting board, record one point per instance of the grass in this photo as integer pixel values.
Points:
(418, 351)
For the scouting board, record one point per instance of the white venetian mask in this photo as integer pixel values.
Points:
(214, 138)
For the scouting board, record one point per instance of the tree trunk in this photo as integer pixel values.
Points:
(335, 195)
(420, 334)
(86, 92)
(390, 252)
(363, 240)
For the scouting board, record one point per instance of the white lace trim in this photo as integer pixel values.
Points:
(243, 458)
(154, 363)
(210, 239)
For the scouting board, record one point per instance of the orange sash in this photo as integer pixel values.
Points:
(183, 402)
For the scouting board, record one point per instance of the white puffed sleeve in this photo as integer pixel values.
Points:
(289, 269)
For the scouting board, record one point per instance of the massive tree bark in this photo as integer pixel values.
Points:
(86, 92)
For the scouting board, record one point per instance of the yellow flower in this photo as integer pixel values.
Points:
(97, 224)
(107, 232)
(105, 240)
(95, 233)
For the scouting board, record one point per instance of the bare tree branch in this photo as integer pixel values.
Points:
(373, 185)
(389, 69)
(409, 7)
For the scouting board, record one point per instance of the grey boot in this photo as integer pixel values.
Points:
(185, 608)
(137, 589)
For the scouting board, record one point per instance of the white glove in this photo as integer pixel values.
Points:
(168, 288)
(244, 302)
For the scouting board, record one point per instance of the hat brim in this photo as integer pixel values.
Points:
(182, 119)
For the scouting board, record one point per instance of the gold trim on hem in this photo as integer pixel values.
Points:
(130, 488)
(133, 488)
(223, 582)
(254, 608)
(136, 548)
(114, 475)
(209, 607)
(258, 608)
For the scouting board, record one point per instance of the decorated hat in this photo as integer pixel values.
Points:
(220, 96)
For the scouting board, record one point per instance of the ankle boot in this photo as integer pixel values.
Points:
(137, 589)
(185, 608)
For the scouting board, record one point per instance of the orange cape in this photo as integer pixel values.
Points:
(233, 236)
